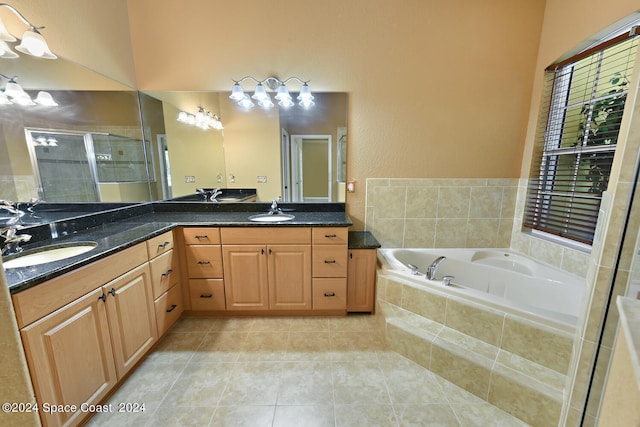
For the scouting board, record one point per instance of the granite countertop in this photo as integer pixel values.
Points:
(122, 228)
(362, 240)
(629, 309)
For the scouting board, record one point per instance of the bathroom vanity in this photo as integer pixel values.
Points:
(87, 320)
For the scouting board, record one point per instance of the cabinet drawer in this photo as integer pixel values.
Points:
(265, 236)
(330, 260)
(169, 307)
(330, 294)
(204, 261)
(206, 294)
(330, 235)
(160, 244)
(164, 273)
(201, 235)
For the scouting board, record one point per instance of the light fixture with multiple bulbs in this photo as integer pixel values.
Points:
(263, 99)
(203, 119)
(43, 141)
(13, 93)
(32, 43)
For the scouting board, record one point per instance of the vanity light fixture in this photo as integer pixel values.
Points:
(263, 98)
(13, 93)
(32, 42)
(203, 119)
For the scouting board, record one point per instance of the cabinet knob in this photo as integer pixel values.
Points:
(204, 262)
(113, 292)
(167, 273)
(164, 245)
(206, 296)
(103, 297)
(329, 294)
(173, 307)
(201, 236)
(330, 236)
(329, 261)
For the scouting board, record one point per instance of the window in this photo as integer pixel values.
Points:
(582, 107)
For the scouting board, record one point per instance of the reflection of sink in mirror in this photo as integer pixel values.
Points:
(48, 254)
(271, 218)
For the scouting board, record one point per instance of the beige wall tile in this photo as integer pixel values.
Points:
(420, 233)
(388, 201)
(453, 202)
(541, 346)
(460, 371)
(479, 323)
(424, 303)
(451, 233)
(482, 233)
(485, 202)
(528, 405)
(422, 202)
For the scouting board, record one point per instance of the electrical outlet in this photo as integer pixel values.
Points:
(189, 179)
(262, 179)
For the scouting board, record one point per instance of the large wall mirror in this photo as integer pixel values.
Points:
(108, 142)
(298, 154)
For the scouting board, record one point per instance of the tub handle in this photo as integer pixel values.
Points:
(446, 280)
(414, 269)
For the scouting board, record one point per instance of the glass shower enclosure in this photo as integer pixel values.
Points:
(71, 166)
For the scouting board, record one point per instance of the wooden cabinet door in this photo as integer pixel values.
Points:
(70, 358)
(132, 317)
(361, 280)
(245, 277)
(289, 277)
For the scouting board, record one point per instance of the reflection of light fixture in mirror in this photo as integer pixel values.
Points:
(43, 141)
(14, 94)
(45, 98)
(203, 119)
(264, 100)
(32, 42)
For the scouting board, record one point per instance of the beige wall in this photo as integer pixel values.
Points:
(433, 92)
(192, 152)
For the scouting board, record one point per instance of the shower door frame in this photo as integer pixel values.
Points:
(88, 145)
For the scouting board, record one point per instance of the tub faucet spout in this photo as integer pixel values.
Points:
(433, 267)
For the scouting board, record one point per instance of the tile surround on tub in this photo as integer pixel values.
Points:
(491, 354)
(441, 212)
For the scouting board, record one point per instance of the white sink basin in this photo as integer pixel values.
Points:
(271, 218)
(49, 254)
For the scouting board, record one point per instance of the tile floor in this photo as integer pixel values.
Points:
(290, 372)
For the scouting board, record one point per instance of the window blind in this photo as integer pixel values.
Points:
(581, 112)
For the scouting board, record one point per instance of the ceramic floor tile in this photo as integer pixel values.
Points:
(335, 371)
(359, 382)
(253, 383)
(365, 415)
(243, 416)
(304, 415)
(434, 415)
(305, 383)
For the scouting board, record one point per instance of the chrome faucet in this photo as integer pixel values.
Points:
(11, 241)
(215, 193)
(274, 208)
(433, 267)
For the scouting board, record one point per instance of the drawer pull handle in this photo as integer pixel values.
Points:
(164, 245)
(204, 262)
(173, 307)
(329, 294)
(103, 297)
(329, 261)
(206, 295)
(202, 236)
(167, 273)
(113, 292)
(330, 236)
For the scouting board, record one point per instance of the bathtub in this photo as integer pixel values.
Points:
(498, 278)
